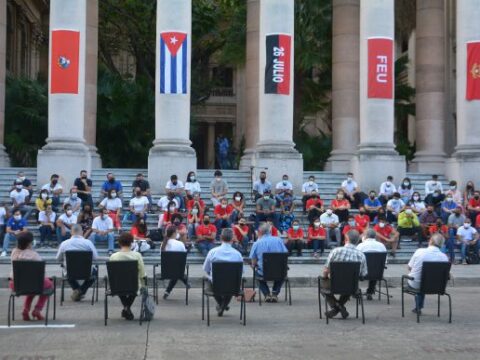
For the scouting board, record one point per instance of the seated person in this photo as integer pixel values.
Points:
(265, 210)
(85, 220)
(351, 225)
(295, 238)
(372, 205)
(387, 189)
(273, 229)
(20, 199)
(387, 235)
(74, 201)
(287, 215)
(456, 194)
(192, 186)
(42, 201)
(55, 190)
(196, 199)
(352, 191)
(238, 204)
(47, 225)
(206, 234)
(467, 236)
(141, 241)
(417, 204)
(408, 223)
(314, 207)
(102, 230)
(194, 219)
(362, 219)
(435, 200)
(218, 188)
(165, 219)
(16, 225)
(394, 207)
(222, 212)
(455, 221)
(307, 189)
(182, 231)
(316, 237)
(405, 190)
(439, 228)
(165, 200)
(261, 185)
(78, 243)
(433, 185)
(428, 218)
(283, 188)
(473, 206)
(241, 238)
(144, 187)
(331, 223)
(111, 183)
(176, 187)
(64, 223)
(138, 206)
(125, 241)
(172, 244)
(448, 205)
(114, 206)
(341, 206)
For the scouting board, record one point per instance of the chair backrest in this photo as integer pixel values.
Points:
(275, 266)
(123, 277)
(173, 264)
(344, 277)
(227, 278)
(28, 277)
(434, 277)
(79, 264)
(375, 265)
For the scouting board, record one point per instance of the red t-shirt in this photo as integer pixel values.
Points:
(167, 217)
(220, 212)
(237, 233)
(136, 233)
(347, 228)
(474, 203)
(385, 231)
(206, 230)
(314, 232)
(314, 202)
(362, 221)
(190, 204)
(340, 203)
(199, 216)
(274, 231)
(434, 228)
(295, 234)
(477, 221)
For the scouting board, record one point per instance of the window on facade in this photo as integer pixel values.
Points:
(24, 51)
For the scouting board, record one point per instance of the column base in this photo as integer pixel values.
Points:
(66, 161)
(428, 163)
(4, 158)
(371, 169)
(463, 166)
(247, 160)
(339, 161)
(165, 160)
(95, 156)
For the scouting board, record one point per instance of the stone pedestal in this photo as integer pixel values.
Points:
(171, 152)
(4, 159)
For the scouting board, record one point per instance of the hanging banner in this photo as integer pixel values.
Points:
(473, 71)
(277, 69)
(380, 68)
(64, 62)
(173, 62)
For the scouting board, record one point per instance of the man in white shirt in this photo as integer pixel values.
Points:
(387, 189)
(20, 198)
(54, 191)
(352, 191)
(370, 244)
(331, 223)
(176, 186)
(394, 207)
(415, 265)
(432, 185)
(78, 243)
(102, 230)
(64, 223)
(139, 205)
(467, 235)
(74, 201)
(283, 187)
(165, 200)
(307, 189)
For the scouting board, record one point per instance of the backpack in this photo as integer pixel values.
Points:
(148, 305)
(472, 256)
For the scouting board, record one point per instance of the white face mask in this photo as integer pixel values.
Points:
(416, 198)
(406, 183)
(69, 212)
(18, 217)
(194, 211)
(74, 196)
(44, 196)
(22, 178)
(388, 183)
(382, 225)
(329, 212)
(192, 178)
(224, 206)
(349, 179)
(218, 178)
(316, 224)
(19, 186)
(351, 223)
(466, 225)
(449, 199)
(310, 182)
(408, 211)
(114, 195)
(238, 198)
(285, 182)
(295, 227)
(171, 208)
(178, 236)
(453, 187)
(266, 197)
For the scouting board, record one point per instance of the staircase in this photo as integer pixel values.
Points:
(237, 180)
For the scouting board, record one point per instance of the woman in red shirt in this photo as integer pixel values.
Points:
(139, 232)
(238, 205)
(341, 206)
(316, 237)
(295, 238)
(194, 219)
(241, 240)
(196, 200)
(362, 219)
(165, 219)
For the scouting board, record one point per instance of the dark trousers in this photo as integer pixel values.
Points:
(372, 215)
(75, 285)
(305, 198)
(127, 300)
(172, 283)
(312, 215)
(222, 301)
(318, 244)
(273, 217)
(371, 287)
(295, 245)
(263, 286)
(332, 301)
(46, 233)
(342, 215)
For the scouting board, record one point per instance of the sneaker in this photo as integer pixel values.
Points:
(414, 310)
(392, 254)
(4, 253)
(165, 295)
(332, 313)
(124, 313)
(315, 254)
(129, 314)
(75, 295)
(369, 297)
(268, 298)
(220, 310)
(274, 298)
(344, 312)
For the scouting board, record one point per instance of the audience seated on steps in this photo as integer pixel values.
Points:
(111, 183)
(65, 222)
(16, 226)
(102, 230)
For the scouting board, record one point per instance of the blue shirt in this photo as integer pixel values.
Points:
(16, 225)
(374, 203)
(224, 252)
(116, 185)
(266, 244)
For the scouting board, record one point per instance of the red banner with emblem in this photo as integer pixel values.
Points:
(473, 70)
(65, 62)
(380, 68)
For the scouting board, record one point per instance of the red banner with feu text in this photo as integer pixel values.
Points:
(380, 68)
(65, 62)
(473, 70)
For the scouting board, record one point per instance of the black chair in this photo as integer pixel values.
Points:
(376, 267)
(173, 266)
(227, 280)
(28, 279)
(122, 280)
(275, 268)
(344, 278)
(435, 276)
(79, 267)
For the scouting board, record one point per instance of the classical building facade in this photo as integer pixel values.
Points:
(365, 46)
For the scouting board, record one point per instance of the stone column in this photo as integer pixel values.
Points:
(465, 161)
(171, 152)
(4, 159)
(251, 83)
(211, 145)
(275, 148)
(430, 87)
(376, 158)
(66, 152)
(91, 82)
(345, 83)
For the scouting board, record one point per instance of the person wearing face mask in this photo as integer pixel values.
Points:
(20, 199)
(433, 185)
(165, 219)
(341, 206)
(314, 207)
(352, 192)
(428, 218)
(265, 210)
(206, 234)
(362, 219)
(241, 237)
(139, 205)
(473, 206)
(84, 188)
(172, 244)
(141, 240)
(55, 190)
(192, 185)
(47, 225)
(394, 207)
(439, 228)
(372, 205)
(196, 200)
(16, 225)
(387, 189)
(144, 186)
(165, 200)
(176, 187)
(435, 199)
(64, 223)
(194, 219)
(42, 201)
(405, 190)
(74, 201)
(85, 220)
(418, 206)
(218, 188)
(27, 184)
(454, 193)
(182, 232)
(295, 238)
(467, 236)
(448, 205)
(387, 235)
(351, 225)
(287, 213)
(111, 183)
(408, 223)
(222, 212)
(283, 188)
(316, 238)
(114, 206)
(455, 221)
(469, 191)
(102, 230)
(307, 189)
(238, 204)
(331, 223)
(261, 186)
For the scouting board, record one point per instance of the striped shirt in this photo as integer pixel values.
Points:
(348, 253)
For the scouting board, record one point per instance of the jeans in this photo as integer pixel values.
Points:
(234, 217)
(313, 214)
(109, 238)
(263, 286)
(318, 244)
(55, 202)
(205, 246)
(295, 245)
(181, 203)
(466, 244)
(222, 301)
(61, 237)
(134, 217)
(46, 233)
(419, 301)
(221, 224)
(85, 285)
(273, 217)
(242, 245)
(191, 230)
(336, 232)
(449, 246)
(6, 240)
(172, 283)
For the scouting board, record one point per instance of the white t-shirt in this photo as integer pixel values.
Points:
(327, 220)
(175, 245)
(42, 217)
(466, 234)
(170, 185)
(387, 188)
(371, 245)
(19, 196)
(163, 203)
(73, 202)
(431, 186)
(139, 204)
(284, 186)
(3, 213)
(349, 186)
(432, 253)
(68, 220)
(419, 206)
(308, 188)
(193, 187)
(50, 189)
(396, 205)
(101, 224)
(111, 204)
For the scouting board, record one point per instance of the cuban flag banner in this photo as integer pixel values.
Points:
(173, 62)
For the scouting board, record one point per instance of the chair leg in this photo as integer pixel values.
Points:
(62, 295)
(326, 309)
(363, 311)
(379, 290)
(386, 288)
(259, 297)
(9, 309)
(208, 310)
(286, 290)
(357, 300)
(186, 292)
(244, 311)
(319, 300)
(403, 305)
(203, 304)
(418, 312)
(13, 308)
(97, 287)
(93, 292)
(289, 293)
(438, 306)
(241, 307)
(105, 314)
(46, 314)
(449, 308)
(54, 303)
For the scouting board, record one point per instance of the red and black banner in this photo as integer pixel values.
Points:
(473, 71)
(277, 68)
